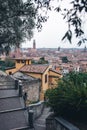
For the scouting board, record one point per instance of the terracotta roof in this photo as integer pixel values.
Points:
(34, 68)
(58, 72)
(21, 58)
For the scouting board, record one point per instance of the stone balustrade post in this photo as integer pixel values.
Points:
(20, 90)
(30, 118)
(16, 84)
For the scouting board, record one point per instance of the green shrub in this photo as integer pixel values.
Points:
(6, 63)
(70, 97)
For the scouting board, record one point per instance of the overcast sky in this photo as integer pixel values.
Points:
(52, 32)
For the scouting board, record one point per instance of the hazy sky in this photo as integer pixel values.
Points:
(52, 32)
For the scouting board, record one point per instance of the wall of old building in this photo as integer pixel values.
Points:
(44, 85)
(32, 89)
(18, 64)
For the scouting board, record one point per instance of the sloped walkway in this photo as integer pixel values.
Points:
(40, 123)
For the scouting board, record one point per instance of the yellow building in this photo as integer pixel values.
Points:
(45, 73)
(19, 62)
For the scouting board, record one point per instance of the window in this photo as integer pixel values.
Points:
(10, 73)
(18, 61)
(45, 78)
(23, 61)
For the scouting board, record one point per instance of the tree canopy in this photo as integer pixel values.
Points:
(18, 18)
(16, 22)
(6, 64)
(76, 18)
(74, 12)
(69, 99)
(65, 59)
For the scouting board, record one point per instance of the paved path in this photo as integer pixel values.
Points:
(40, 123)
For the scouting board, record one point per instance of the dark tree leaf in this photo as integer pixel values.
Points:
(74, 13)
(86, 9)
(58, 9)
(68, 35)
(79, 43)
(81, 8)
(65, 36)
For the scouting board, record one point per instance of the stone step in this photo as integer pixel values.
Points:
(40, 127)
(40, 123)
(46, 111)
(8, 93)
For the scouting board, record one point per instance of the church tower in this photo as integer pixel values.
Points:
(34, 44)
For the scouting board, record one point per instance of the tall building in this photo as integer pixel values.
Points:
(34, 44)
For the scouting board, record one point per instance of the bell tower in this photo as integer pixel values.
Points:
(34, 44)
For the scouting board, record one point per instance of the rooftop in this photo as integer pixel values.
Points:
(34, 68)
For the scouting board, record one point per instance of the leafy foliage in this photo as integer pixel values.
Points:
(73, 14)
(7, 63)
(16, 22)
(64, 59)
(69, 99)
(68, 35)
(19, 18)
(41, 61)
(75, 19)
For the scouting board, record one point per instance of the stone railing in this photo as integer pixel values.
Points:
(61, 124)
(37, 109)
(6, 82)
(58, 123)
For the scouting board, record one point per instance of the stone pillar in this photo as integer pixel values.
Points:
(50, 123)
(20, 90)
(25, 98)
(30, 118)
(16, 84)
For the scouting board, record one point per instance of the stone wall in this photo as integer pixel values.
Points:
(32, 89)
(37, 109)
(6, 81)
(59, 123)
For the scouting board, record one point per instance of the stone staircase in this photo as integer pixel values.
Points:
(13, 114)
(12, 110)
(40, 123)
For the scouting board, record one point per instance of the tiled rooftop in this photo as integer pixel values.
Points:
(34, 68)
(58, 72)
